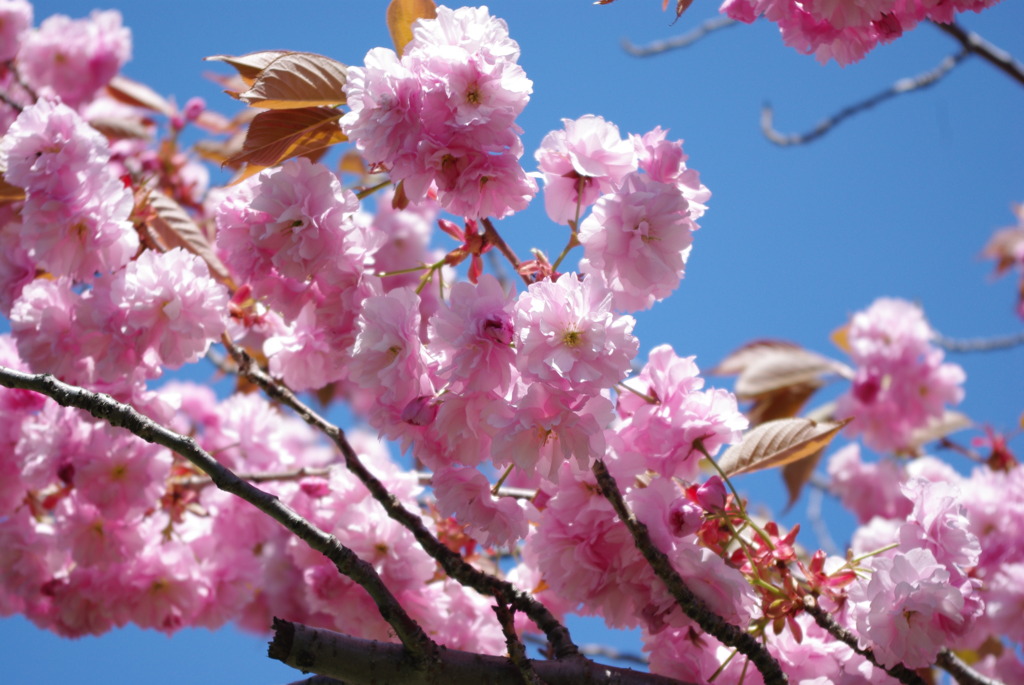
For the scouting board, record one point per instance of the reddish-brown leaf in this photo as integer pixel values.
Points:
(298, 79)
(400, 17)
(121, 128)
(781, 404)
(278, 135)
(138, 94)
(249, 66)
(796, 474)
(778, 443)
(172, 225)
(10, 193)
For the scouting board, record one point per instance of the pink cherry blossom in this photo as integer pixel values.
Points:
(493, 521)
(75, 217)
(168, 305)
(901, 381)
(472, 336)
(585, 160)
(908, 609)
(568, 338)
(76, 57)
(637, 240)
(15, 21)
(661, 433)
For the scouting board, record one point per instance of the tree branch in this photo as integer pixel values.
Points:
(961, 672)
(901, 87)
(979, 344)
(419, 649)
(691, 604)
(358, 662)
(595, 650)
(977, 45)
(453, 564)
(685, 40)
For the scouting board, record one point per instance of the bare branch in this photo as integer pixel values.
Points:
(685, 40)
(691, 604)
(825, 620)
(977, 45)
(901, 87)
(358, 662)
(979, 344)
(453, 564)
(420, 651)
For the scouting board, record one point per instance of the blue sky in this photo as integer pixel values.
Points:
(896, 202)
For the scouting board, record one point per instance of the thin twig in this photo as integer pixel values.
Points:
(825, 620)
(421, 649)
(901, 87)
(516, 649)
(692, 605)
(494, 238)
(977, 45)
(979, 344)
(453, 564)
(685, 40)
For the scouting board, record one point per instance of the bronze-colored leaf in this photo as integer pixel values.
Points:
(400, 17)
(783, 403)
(775, 368)
(121, 128)
(681, 6)
(137, 94)
(739, 359)
(296, 80)
(777, 443)
(10, 193)
(278, 135)
(172, 225)
(796, 474)
(250, 65)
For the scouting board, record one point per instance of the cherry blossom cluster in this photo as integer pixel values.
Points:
(488, 389)
(846, 30)
(901, 382)
(947, 564)
(443, 113)
(645, 205)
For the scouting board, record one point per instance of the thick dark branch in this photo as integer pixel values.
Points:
(977, 45)
(685, 40)
(823, 619)
(417, 646)
(979, 344)
(901, 87)
(691, 604)
(453, 564)
(360, 662)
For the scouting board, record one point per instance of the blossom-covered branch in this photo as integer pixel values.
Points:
(421, 649)
(454, 565)
(691, 604)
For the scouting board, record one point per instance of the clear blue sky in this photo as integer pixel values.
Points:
(896, 202)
